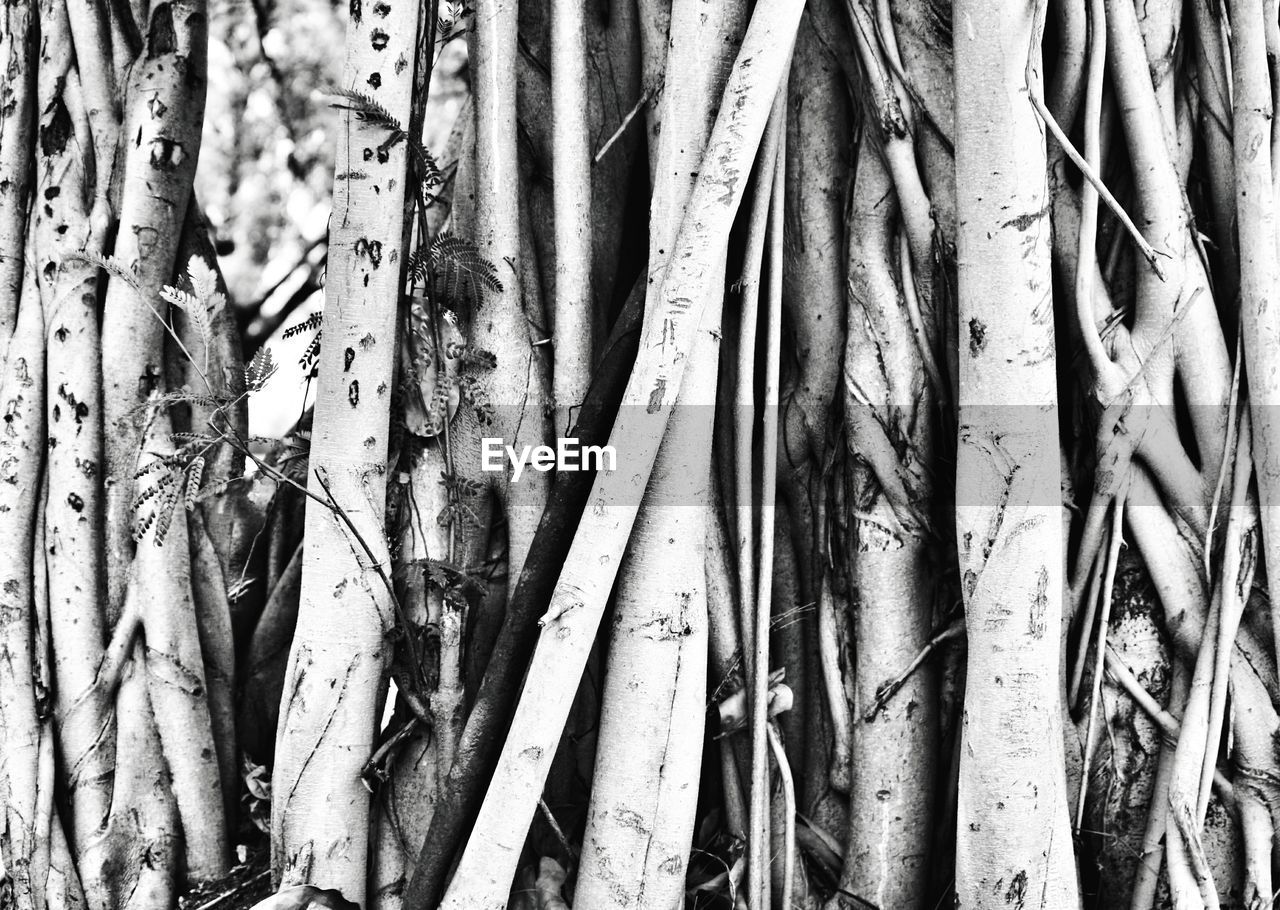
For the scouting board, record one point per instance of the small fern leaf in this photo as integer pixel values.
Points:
(116, 268)
(259, 370)
(204, 280)
(195, 309)
(429, 170)
(366, 109)
(310, 324)
(195, 474)
(164, 518)
(310, 359)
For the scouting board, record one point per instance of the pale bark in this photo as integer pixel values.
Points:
(888, 407)
(1259, 276)
(159, 592)
(18, 35)
(1013, 834)
(336, 673)
(488, 865)
(73, 540)
(645, 784)
(162, 121)
(574, 304)
(21, 443)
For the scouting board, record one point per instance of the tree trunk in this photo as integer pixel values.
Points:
(337, 671)
(1013, 835)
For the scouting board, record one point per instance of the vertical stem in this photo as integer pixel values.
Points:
(1013, 826)
(571, 185)
(757, 861)
(329, 716)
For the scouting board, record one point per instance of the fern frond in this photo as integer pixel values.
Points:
(310, 324)
(259, 370)
(204, 281)
(197, 312)
(366, 109)
(455, 260)
(310, 359)
(430, 174)
(195, 474)
(116, 268)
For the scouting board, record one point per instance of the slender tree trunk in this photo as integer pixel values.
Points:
(488, 865)
(645, 784)
(336, 673)
(888, 404)
(1014, 840)
(18, 34)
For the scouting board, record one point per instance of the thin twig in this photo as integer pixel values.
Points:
(1148, 251)
(550, 818)
(644, 99)
(1108, 586)
(886, 690)
(789, 817)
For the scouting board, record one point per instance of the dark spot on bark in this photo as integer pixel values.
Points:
(166, 154)
(49, 271)
(655, 397)
(353, 392)
(1024, 221)
(1017, 892)
(384, 155)
(379, 39)
(977, 336)
(381, 9)
(156, 107)
(370, 248)
(161, 38)
(1039, 604)
(348, 358)
(11, 586)
(75, 502)
(146, 238)
(375, 80)
(401, 63)
(52, 192)
(54, 134)
(357, 11)
(61, 333)
(367, 154)
(57, 414)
